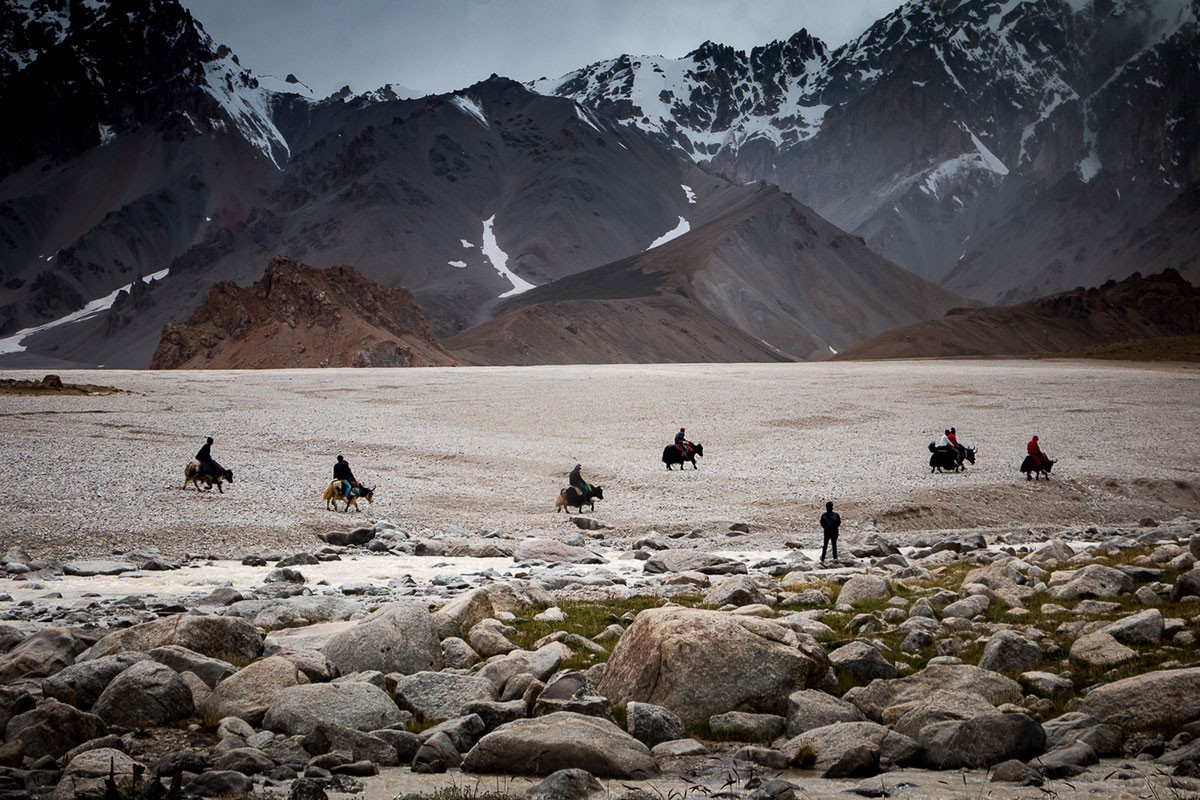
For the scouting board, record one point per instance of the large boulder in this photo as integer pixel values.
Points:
(861, 662)
(81, 684)
(694, 561)
(1009, 652)
(542, 745)
(87, 772)
(40, 655)
(829, 745)
(1186, 585)
(911, 717)
(864, 588)
(146, 694)
(982, 741)
(693, 662)
(462, 613)
(1145, 627)
(991, 686)
(813, 708)
(247, 694)
(227, 638)
(210, 670)
(53, 728)
(554, 552)
(442, 695)
(1075, 726)
(651, 724)
(738, 590)
(362, 706)
(1094, 580)
(1162, 701)
(398, 638)
(1100, 649)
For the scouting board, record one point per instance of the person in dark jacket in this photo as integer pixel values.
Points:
(830, 522)
(576, 480)
(207, 464)
(341, 472)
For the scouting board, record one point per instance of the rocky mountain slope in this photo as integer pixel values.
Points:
(298, 316)
(1135, 308)
(1007, 149)
(759, 264)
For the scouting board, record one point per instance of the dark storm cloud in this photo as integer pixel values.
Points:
(443, 45)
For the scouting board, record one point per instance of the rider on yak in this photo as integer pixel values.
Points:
(682, 443)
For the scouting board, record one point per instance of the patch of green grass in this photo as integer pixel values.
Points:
(588, 618)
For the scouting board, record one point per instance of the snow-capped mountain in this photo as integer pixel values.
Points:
(942, 123)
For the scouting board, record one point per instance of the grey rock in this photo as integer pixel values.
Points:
(862, 662)
(81, 684)
(487, 639)
(298, 709)
(53, 728)
(495, 713)
(738, 590)
(227, 638)
(872, 700)
(1100, 649)
(397, 638)
(746, 727)
(829, 744)
(1047, 684)
(327, 737)
(1094, 580)
(436, 755)
(247, 694)
(145, 694)
(463, 732)
(910, 718)
(1009, 652)
(677, 748)
(1186, 585)
(554, 552)
(1016, 771)
(857, 762)
(1155, 701)
(1143, 628)
(94, 567)
(441, 695)
(220, 783)
(693, 663)
(87, 772)
(210, 670)
(566, 784)
(40, 654)
(246, 760)
(651, 724)
(543, 745)
(813, 708)
(694, 561)
(457, 654)
(462, 613)
(968, 607)
(1067, 761)
(864, 588)
(981, 742)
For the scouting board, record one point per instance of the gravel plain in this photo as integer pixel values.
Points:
(468, 451)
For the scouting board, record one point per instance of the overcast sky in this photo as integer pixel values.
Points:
(438, 46)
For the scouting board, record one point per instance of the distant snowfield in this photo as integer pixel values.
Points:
(13, 344)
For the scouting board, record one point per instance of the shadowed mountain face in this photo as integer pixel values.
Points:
(1136, 308)
(1005, 149)
(297, 316)
(756, 262)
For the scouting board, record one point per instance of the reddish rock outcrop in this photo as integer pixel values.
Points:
(298, 316)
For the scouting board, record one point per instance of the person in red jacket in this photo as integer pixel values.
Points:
(1035, 452)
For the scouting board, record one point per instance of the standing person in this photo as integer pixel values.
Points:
(830, 522)
(341, 472)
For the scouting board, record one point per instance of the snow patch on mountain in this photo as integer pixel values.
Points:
(14, 343)
(471, 107)
(679, 230)
(499, 259)
(247, 103)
